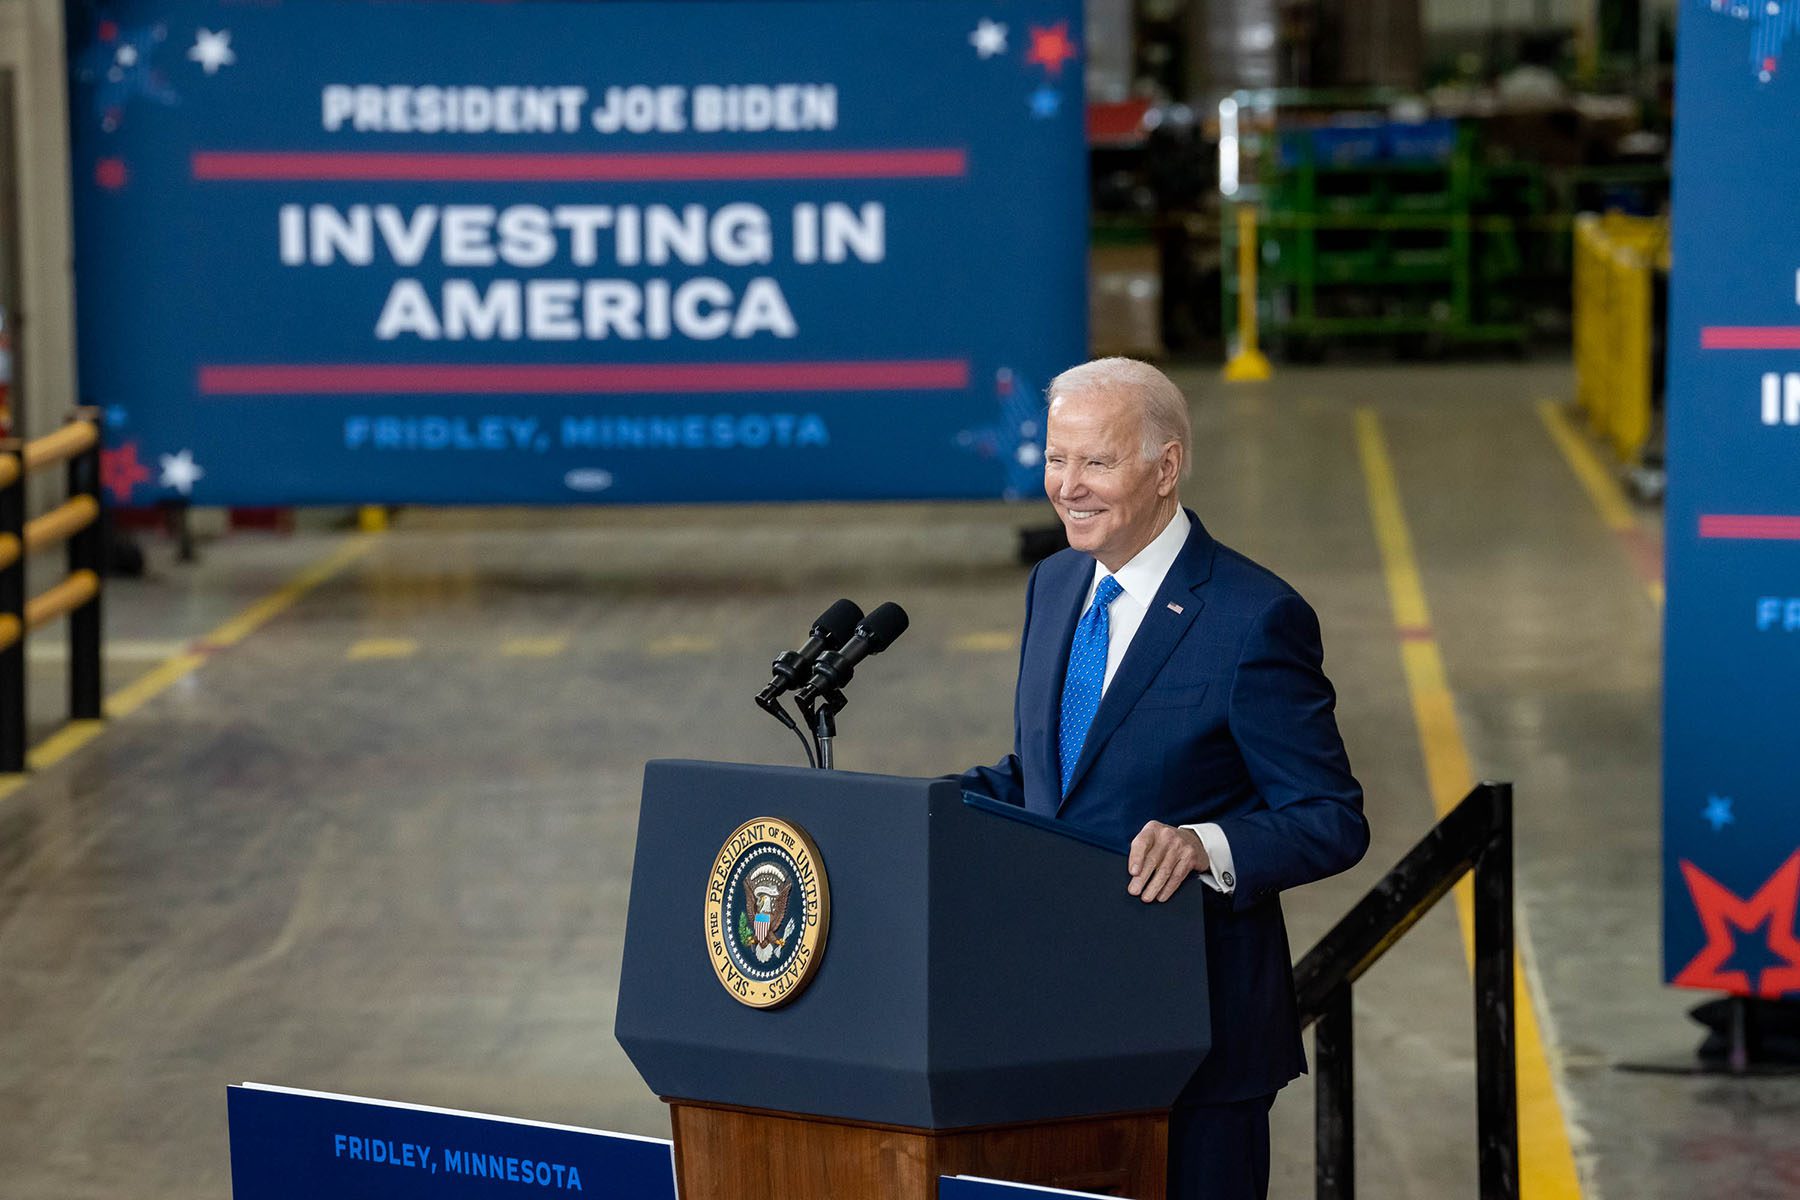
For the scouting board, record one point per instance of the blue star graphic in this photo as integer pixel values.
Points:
(1014, 439)
(1045, 102)
(1718, 812)
(115, 416)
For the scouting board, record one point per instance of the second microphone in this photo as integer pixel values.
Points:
(873, 634)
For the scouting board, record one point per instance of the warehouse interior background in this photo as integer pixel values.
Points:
(359, 815)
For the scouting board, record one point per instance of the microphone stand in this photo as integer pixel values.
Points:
(771, 704)
(821, 714)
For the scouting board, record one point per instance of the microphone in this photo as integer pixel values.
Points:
(834, 626)
(875, 633)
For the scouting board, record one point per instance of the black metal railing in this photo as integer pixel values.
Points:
(1475, 836)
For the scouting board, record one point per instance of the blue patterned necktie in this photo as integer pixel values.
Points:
(1087, 672)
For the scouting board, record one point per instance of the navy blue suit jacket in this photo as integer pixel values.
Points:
(1220, 712)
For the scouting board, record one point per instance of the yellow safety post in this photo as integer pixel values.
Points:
(74, 591)
(77, 437)
(60, 523)
(372, 518)
(1248, 364)
(1591, 352)
(1616, 257)
(1629, 424)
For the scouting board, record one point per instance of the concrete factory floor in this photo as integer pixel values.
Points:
(363, 821)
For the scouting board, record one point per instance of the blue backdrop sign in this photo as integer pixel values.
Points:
(296, 1145)
(339, 250)
(1731, 728)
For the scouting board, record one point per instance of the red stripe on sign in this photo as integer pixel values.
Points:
(1755, 528)
(578, 378)
(581, 168)
(1750, 337)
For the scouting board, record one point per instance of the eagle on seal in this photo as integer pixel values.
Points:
(766, 897)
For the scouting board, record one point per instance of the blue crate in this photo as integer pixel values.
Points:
(1420, 142)
(1347, 145)
(1331, 145)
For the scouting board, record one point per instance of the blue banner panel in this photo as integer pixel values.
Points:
(543, 252)
(969, 1187)
(1731, 715)
(296, 1145)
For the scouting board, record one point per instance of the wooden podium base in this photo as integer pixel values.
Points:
(726, 1153)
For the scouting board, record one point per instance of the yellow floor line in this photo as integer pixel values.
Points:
(1546, 1156)
(374, 648)
(132, 696)
(989, 642)
(1595, 479)
(681, 643)
(1605, 493)
(128, 699)
(62, 743)
(278, 601)
(534, 647)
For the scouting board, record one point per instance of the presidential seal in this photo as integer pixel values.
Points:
(768, 907)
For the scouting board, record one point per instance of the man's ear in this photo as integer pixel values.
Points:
(1168, 470)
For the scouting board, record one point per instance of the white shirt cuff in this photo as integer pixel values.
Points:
(1219, 875)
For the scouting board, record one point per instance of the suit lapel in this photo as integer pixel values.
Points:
(1162, 629)
(1062, 594)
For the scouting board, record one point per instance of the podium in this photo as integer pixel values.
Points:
(987, 999)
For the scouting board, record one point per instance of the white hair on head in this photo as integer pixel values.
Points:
(1161, 404)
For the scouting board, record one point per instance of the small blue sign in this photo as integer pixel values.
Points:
(288, 1144)
(451, 251)
(970, 1187)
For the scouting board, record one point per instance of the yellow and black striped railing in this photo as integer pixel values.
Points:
(74, 524)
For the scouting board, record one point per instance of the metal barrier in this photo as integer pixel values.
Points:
(76, 523)
(1475, 836)
(1617, 350)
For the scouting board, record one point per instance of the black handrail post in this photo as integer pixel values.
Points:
(1496, 1084)
(12, 604)
(1334, 1100)
(85, 549)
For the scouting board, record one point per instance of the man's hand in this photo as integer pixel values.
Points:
(1162, 857)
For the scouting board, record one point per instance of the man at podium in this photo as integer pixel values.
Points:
(1171, 695)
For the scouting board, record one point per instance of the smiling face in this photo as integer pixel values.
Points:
(1112, 500)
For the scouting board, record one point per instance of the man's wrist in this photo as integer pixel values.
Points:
(1220, 872)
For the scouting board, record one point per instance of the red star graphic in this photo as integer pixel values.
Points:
(120, 471)
(111, 174)
(1051, 48)
(108, 31)
(1721, 912)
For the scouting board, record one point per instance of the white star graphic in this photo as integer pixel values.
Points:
(989, 38)
(127, 56)
(212, 50)
(180, 471)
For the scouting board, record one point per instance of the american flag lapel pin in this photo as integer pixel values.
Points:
(1175, 608)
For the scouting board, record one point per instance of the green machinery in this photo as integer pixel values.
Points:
(1395, 231)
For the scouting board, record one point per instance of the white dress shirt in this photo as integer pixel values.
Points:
(1140, 580)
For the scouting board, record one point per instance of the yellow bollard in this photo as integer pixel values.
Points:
(372, 518)
(1615, 258)
(1248, 364)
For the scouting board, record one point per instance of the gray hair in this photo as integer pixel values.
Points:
(1163, 407)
